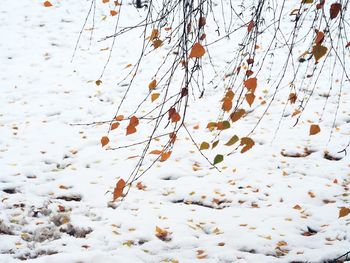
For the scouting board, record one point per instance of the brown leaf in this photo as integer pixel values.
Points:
(140, 186)
(344, 211)
(157, 43)
(47, 4)
(334, 10)
(165, 156)
(348, 44)
(251, 84)
(211, 126)
(118, 190)
(227, 105)
(319, 37)
(314, 129)
(319, 51)
(247, 144)
(154, 34)
(152, 84)
(250, 97)
(250, 26)
(235, 116)
(175, 117)
(197, 51)
(104, 141)
(202, 21)
(134, 121)
(98, 82)
(292, 98)
(105, 1)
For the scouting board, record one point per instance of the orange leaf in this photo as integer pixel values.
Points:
(211, 126)
(334, 10)
(248, 143)
(130, 129)
(161, 233)
(197, 51)
(105, 1)
(154, 96)
(114, 125)
(250, 26)
(140, 186)
(119, 118)
(229, 95)
(235, 116)
(251, 84)
(118, 190)
(113, 12)
(165, 156)
(152, 84)
(104, 141)
(175, 117)
(314, 129)
(47, 4)
(172, 137)
(250, 97)
(134, 121)
(157, 152)
(227, 105)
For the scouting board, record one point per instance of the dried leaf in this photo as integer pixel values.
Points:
(157, 43)
(104, 141)
(202, 21)
(105, 1)
(119, 118)
(211, 126)
(334, 10)
(250, 26)
(47, 4)
(130, 130)
(152, 84)
(251, 84)
(223, 125)
(114, 125)
(175, 117)
(113, 12)
(314, 129)
(215, 144)
(134, 121)
(161, 233)
(98, 82)
(250, 97)
(319, 51)
(118, 190)
(235, 116)
(292, 98)
(165, 156)
(248, 143)
(157, 152)
(154, 34)
(204, 146)
(232, 141)
(307, 1)
(197, 51)
(344, 211)
(154, 96)
(319, 37)
(218, 159)
(227, 105)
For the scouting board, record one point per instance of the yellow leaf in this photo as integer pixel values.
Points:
(154, 96)
(314, 129)
(197, 51)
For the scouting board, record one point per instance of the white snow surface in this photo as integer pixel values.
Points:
(55, 178)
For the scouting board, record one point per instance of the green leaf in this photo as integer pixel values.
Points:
(232, 141)
(204, 146)
(215, 144)
(218, 159)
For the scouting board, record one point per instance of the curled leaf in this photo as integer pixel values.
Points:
(118, 190)
(247, 144)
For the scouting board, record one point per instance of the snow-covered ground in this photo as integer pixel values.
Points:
(265, 206)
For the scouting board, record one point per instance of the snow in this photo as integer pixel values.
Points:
(56, 180)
